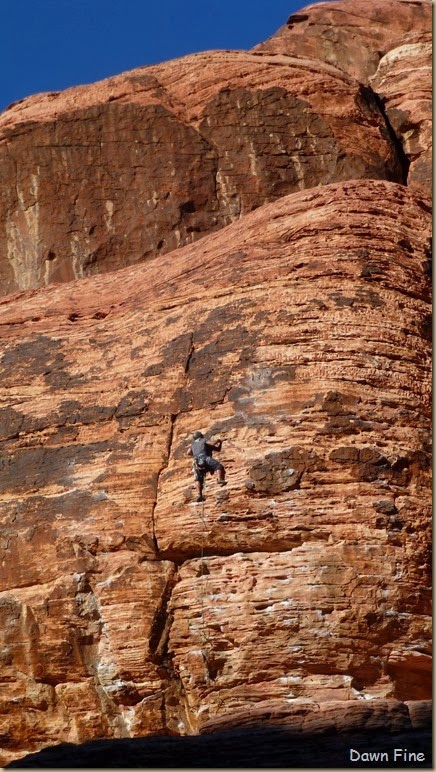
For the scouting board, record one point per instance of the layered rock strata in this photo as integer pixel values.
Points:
(104, 176)
(301, 335)
(352, 35)
(403, 82)
(297, 600)
(385, 729)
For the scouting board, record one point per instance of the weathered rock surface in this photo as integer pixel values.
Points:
(404, 83)
(104, 176)
(385, 728)
(301, 335)
(297, 600)
(352, 35)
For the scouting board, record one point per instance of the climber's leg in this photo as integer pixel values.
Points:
(215, 466)
(199, 482)
(199, 488)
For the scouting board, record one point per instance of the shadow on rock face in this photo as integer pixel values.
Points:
(252, 747)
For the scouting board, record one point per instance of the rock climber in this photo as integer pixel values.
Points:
(202, 451)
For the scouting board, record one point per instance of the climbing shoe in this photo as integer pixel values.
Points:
(200, 498)
(222, 482)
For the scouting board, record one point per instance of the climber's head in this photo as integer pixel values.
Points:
(197, 436)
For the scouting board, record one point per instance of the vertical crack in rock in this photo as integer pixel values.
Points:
(396, 141)
(165, 463)
(173, 418)
(176, 711)
(190, 354)
(160, 626)
(163, 618)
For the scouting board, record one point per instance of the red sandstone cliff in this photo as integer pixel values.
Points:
(299, 332)
(99, 177)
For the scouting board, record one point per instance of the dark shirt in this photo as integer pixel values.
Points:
(201, 446)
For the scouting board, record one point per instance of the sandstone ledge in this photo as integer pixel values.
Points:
(260, 745)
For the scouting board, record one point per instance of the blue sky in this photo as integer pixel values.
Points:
(49, 45)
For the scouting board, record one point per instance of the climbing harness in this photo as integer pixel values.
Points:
(200, 462)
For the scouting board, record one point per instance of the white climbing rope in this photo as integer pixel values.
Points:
(206, 641)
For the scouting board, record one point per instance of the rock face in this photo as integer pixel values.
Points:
(105, 174)
(386, 730)
(101, 177)
(352, 35)
(300, 333)
(402, 81)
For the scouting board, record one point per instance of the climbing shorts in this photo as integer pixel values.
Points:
(212, 465)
